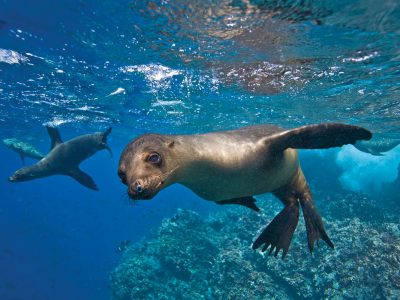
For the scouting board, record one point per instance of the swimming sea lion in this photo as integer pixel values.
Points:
(23, 149)
(232, 166)
(377, 147)
(64, 158)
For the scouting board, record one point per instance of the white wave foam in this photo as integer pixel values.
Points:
(57, 121)
(361, 58)
(12, 57)
(152, 72)
(167, 103)
(365, 172)
(119, 90)
(32, 55)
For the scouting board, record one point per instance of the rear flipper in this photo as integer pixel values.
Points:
(314, 225)
(278, 234)
(249, 202)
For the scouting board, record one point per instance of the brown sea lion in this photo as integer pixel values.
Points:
(229, 167)
(64, 158)
(377, 147)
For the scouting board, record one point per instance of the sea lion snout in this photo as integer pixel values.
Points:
(12, 178)
(19, 175)
(136, 189)
(143, 190)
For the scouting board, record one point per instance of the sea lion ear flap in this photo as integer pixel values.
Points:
(171, 144)
(54, 136)
(319, 136)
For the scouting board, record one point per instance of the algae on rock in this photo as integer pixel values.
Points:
(191, 257)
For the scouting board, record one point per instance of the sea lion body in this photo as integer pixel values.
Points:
(232, 164)
(230, 167)
(64, 158)
(377, 147)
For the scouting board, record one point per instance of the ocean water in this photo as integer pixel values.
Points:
(190, 67)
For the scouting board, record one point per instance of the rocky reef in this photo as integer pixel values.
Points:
(190, 257)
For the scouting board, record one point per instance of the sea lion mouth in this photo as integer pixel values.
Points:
(12, 178)
(144, 189)
(147, 188)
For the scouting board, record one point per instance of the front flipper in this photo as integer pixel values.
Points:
(249, 202)
(55, 136)
(319, 136)
(314, 225)
(278, 234)
(83, 178)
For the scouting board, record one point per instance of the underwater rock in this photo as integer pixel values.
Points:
(190, 257)
(165, 266)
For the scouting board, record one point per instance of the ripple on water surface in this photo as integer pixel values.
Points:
(208, 64)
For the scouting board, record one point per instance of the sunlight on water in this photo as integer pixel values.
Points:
(11, 57)
(285, 56)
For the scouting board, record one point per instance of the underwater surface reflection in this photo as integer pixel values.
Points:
(184, 67)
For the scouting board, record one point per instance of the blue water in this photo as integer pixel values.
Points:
(171, 67)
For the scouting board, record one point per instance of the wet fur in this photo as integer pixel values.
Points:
(224, 166)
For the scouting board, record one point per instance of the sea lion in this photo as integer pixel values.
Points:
(23, 149)
(64, 158)
(233, 166)
(377, 147)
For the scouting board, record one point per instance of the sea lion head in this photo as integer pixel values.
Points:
(146, 165)
(22, 174)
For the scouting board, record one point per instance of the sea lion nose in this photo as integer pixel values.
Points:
(136, 188)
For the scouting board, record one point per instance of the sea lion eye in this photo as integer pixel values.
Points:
(154, 158)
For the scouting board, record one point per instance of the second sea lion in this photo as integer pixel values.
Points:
(64, 158)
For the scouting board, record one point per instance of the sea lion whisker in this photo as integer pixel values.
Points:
(164, 176)
(167, 174)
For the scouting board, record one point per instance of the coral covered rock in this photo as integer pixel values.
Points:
(194, 258)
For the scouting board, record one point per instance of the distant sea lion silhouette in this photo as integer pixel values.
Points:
(377, 147)
(64, 158)
(229, 167)
(23, 149)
